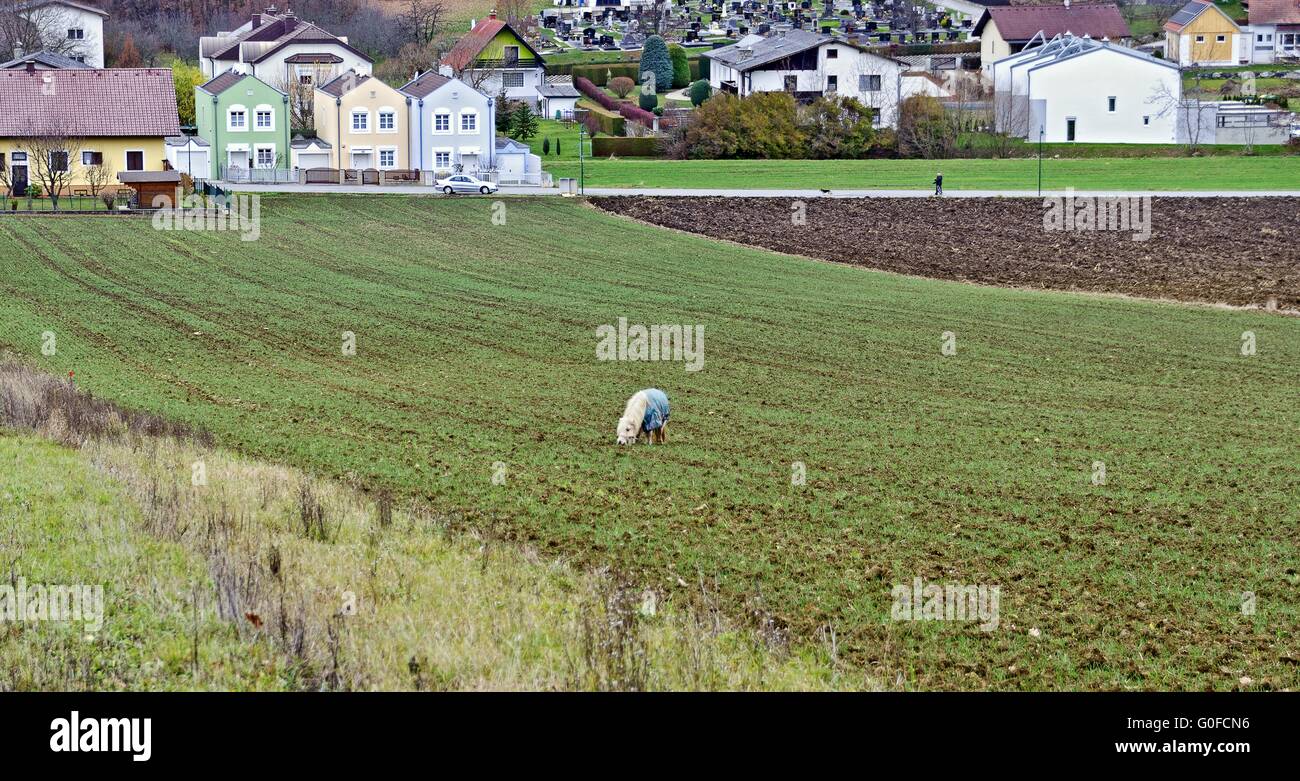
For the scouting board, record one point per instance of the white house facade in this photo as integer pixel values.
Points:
(452, 126)
(1080, 89)
(1274, 31)
(806, 65)
(72, 29)
(282, 49)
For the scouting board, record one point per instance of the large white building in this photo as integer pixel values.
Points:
(1274, 32)
(73, 30)
(1080, 89)
(281, 49)
(806, 65)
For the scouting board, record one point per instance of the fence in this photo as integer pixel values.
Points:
(123, 200)
(240, 175)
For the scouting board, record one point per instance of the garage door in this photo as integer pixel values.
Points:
(314, 160)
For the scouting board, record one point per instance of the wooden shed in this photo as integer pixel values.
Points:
(148, 184)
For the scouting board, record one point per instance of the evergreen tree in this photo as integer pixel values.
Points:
(655, 59)
(681, 67)
(523, 123)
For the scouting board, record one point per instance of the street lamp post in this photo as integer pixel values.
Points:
(582, 164)
(1040, 161)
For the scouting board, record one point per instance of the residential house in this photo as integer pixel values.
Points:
(281, 50)
(496, 60)
(1083, 89)
(452, 127)
(119, 119)
(1200, 33)
(245, 122)
(74, 30)
(43, 61)
(557, 97)
(365, 123)
(807, 64)
(1005, 30)
(1275, 30)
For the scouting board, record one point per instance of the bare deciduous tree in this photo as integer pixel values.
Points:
(97, 177)
(27, 30)
(1188, 113)
(422, 20)
(52, 153)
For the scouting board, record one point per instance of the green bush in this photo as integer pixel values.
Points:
(655, 59)
(681, 66)
(546, 146)
(647, 100)
(700, 92)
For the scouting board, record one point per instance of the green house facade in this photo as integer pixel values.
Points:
(245, 122)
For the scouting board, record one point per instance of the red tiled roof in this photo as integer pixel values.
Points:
(1275, 11)
(89, 103)
(1020, 22)
(471, 43)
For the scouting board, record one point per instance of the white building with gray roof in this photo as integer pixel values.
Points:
(807, 65)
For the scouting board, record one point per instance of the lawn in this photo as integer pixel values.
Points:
(475, 358)
(1159, 173)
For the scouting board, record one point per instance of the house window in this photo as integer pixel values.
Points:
(1146, 120)
(510, 55)
(58, 161)
(360, 122)
(238, 119)
(387, 158)
(387, 121)
(469, 122)
(1220, 38)
(263, 119)
(135, 161)
(442, 122)
(832, 83)
(442, 160)
(512, 79)
(1110, 104)
(1200, 39)
(92, 158)
(868, 83)
(266, 157)
(76, 34)
(832, 53)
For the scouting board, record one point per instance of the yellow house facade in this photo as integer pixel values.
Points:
(84, 120)
(1200, 33)
(365, 122)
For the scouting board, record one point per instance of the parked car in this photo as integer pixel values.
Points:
(464, 183)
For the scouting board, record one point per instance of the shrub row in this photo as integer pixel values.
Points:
(637, 114)
(601, 73)
(586, 87)
(647, 146)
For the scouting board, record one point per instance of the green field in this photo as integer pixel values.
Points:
(476, 357)
(1159, 173)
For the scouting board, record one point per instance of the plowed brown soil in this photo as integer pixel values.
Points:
(1239, 251)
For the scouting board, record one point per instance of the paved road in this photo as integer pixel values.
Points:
(737, 193)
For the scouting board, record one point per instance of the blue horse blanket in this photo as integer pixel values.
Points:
(656, 412)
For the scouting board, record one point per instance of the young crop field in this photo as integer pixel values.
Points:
(475, 391)
(1148, 173)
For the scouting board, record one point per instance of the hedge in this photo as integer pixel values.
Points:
(647, 146)
(589, 89)
(601, 73)
(609, 122)
(637, 114)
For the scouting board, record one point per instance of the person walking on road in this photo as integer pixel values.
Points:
(938, 183)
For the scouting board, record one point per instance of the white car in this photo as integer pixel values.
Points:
(464, 183)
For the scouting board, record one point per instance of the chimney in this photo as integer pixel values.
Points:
(31, 66)
(290, 22)
(1067, 3)
(257, 21)
(492, 14)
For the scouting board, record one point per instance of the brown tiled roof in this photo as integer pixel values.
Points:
(1020, 22)
(89, 103)
(1275, 11)
(24, 6)
(421, 86)
(222, 82)
(344, 83)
